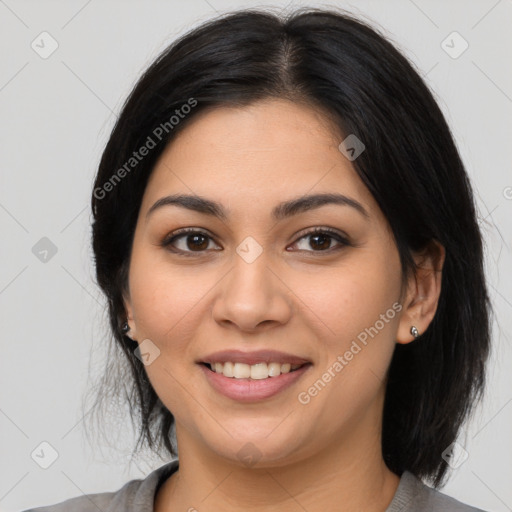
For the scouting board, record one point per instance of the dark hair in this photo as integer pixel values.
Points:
(349, 71)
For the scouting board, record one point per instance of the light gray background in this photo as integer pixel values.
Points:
(56, 116)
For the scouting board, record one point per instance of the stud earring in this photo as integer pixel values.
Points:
(415, 332)
(125, 328)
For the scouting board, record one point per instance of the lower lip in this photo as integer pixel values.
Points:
(252, 390)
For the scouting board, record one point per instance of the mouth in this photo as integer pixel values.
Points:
(255, 380)
(258, 371)
(252, 376)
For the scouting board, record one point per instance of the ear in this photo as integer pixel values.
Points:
(132, 333)
(423, 291)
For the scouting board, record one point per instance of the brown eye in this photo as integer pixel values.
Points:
(196, 242)
(321, 242)
(187, 241)
(321, 239)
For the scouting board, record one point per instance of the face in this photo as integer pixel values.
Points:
(258, 281)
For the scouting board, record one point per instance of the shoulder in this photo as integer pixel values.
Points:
(85, 503)
(413, 495)
(135, 495)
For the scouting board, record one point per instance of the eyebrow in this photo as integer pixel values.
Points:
(280, 212)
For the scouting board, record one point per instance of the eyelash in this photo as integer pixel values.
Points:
(172, 237)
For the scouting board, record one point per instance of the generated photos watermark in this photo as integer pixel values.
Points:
(341, 361)
(151, 142)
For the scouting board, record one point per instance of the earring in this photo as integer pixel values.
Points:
(125, 328)
(415, 332)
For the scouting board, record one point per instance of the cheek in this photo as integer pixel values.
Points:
(349, 301)
(163, 295)
(167, 310)
(359, 311)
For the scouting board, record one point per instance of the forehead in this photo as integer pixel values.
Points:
(254, 156)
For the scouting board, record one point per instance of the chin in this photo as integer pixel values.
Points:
(259, 448)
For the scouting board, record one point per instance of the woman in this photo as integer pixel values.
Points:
(287, 239)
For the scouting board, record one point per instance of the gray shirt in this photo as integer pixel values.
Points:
(412, 495)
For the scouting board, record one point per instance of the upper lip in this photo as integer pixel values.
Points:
(250, 358)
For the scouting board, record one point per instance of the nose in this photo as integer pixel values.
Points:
(252, 296)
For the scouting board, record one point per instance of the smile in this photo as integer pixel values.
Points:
(246, 388)
(256, 371)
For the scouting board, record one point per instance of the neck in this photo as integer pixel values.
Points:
(350, 474)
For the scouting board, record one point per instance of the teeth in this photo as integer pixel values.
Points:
(259, 371)
(228, 370)
(241, 371)
(274, 369)
(256, 371)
